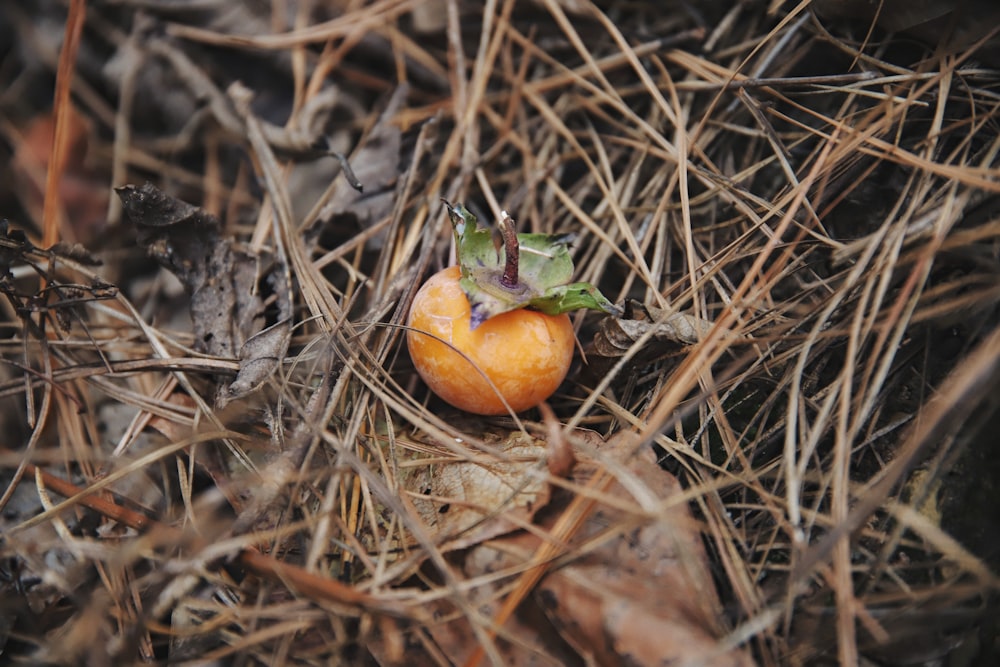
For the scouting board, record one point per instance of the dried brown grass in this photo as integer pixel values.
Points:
(827, 201)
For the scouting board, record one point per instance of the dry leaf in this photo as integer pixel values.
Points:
(637, 592)
(668, 331)
(619, 334)
(631, 590)
(221, 279)
(463, 503)
(376, 166)
(527, 640)
(82, 187)
(260, 357)
(644, 595)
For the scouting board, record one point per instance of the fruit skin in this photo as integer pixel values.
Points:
(524, 352)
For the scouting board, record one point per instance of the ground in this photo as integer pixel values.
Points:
(775, 444)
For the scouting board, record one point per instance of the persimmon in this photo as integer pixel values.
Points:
(522, 355)
(490, 335)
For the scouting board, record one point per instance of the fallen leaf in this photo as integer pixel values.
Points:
(463, 502)
(376, 166)
(628, 586)
(527, 640)
(82, 187)
(633, 589)
(260, 357)
(667, 332)
(222, 280)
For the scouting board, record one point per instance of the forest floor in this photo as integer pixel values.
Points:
(777, 443)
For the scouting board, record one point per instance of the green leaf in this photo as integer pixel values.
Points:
(567, 298)
(544, 271)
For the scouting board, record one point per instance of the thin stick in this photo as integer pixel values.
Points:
(63, 110)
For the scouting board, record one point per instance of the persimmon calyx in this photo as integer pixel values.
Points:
(508, 271)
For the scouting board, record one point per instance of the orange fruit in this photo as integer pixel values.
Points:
(525, 354)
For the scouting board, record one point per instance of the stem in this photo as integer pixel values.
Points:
(511, 250)
(458, 224)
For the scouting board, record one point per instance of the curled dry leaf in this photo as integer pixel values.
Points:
(185, 240)
(618, 335)
(260, 356)
(666, 331)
